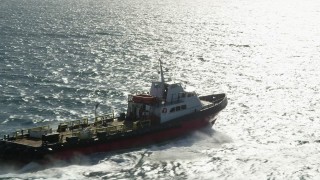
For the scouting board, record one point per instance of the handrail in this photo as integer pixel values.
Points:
(39, 128)
(215, 102)
(76, 122)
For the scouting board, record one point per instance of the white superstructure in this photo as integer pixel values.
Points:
(165, 102)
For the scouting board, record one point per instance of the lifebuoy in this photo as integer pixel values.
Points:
(164, 110)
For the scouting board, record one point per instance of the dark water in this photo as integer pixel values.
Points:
(59, 58)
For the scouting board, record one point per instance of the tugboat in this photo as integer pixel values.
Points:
(166, 112)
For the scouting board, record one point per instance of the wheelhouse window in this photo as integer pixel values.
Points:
(178, 108)
(191, 94)
(182, 95)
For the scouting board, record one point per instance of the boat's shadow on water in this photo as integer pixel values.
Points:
(203, 139)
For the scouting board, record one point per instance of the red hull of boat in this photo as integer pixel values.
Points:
(133, 142)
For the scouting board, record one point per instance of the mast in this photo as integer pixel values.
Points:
(161, 72)
(158, 89)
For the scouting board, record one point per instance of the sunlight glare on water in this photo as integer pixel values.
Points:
(58, 61)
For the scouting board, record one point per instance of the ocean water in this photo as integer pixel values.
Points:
(59, 58)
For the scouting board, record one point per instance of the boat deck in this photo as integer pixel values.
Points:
(205, 103)
(29, 142)
(90, 131)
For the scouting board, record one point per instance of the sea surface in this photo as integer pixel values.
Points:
(59, 58)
